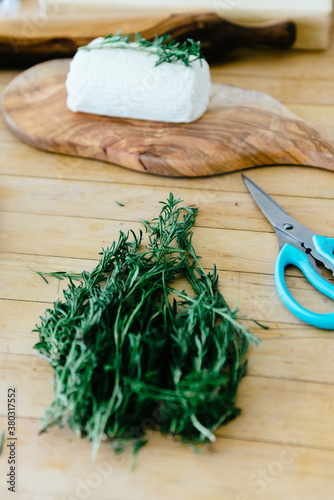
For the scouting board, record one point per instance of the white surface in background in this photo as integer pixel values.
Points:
(228, 5)
(9, 7)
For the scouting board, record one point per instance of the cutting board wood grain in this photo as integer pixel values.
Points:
(240, 130)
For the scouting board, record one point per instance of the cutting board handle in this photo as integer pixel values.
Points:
(219, 36)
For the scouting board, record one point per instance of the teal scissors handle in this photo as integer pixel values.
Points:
(289, 255)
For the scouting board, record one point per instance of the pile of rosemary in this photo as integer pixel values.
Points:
(187, 52)
(130, 351)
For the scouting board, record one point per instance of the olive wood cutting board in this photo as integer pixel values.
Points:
(241, 129)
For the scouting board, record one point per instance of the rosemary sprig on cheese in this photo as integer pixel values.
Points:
(187, 52)
(129, 349)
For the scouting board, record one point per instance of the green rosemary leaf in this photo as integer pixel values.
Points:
(139, 443)
(118, 203)
(265, 327)
(60, 275)
(40, 274)
(129, 349)
(187, 52)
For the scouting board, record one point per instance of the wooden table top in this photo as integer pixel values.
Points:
(56, 213)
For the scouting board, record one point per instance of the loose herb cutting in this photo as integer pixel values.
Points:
(128, 348)
(186, 52)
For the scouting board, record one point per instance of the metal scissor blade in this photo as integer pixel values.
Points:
(278, 217)
(272, 210)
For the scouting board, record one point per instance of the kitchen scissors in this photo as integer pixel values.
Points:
(300, 247)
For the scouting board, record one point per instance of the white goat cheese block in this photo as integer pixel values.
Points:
(124, 82)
